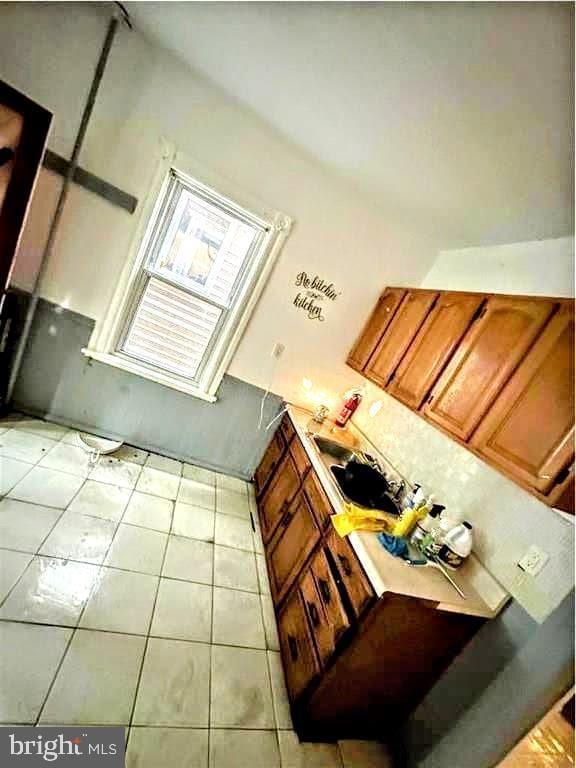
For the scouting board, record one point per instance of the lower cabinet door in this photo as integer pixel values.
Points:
(269, 462)
(318, 499)
(298, 654)
(325, 611)
(295, 538)
(349, 573)
(277, 498)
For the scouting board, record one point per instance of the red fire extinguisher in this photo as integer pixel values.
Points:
(350, 405)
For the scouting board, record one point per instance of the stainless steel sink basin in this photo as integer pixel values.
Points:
(335, 450)
(335, 456)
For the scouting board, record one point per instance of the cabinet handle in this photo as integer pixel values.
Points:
(293, 646)
(324, 590)
(345, 563)
(314, 617)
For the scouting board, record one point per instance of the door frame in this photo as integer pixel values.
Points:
(27, 161)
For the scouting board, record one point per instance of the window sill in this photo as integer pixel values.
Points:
(139, 370)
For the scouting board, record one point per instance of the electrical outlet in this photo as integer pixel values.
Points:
(277, 350)
(533, 560)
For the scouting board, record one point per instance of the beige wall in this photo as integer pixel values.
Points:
(506, 519)
(49, 50)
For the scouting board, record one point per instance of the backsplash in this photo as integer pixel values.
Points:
(506, 519)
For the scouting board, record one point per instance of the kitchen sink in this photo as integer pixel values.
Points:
(334, 450)
(335, 456)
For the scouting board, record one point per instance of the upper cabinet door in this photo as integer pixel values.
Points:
(377, 323)
(433, 346)
(401, 331)
(529, 431)
(484, 361)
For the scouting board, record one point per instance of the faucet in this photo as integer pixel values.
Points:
(397, 487)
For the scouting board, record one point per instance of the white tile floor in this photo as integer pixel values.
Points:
(135, 593)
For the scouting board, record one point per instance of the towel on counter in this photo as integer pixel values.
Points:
(358, 519)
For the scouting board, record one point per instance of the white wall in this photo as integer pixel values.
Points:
(49, 51)
(535, 268)
(507, 519)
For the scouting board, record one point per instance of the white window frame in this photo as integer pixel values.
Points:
(103, 345)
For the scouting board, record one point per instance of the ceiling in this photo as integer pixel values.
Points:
(456, 116)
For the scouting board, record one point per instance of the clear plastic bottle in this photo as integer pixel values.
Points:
(425, 526)
(433, 541)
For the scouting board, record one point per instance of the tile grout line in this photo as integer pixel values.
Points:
(147, 640)
(212, 624)
(34, 556)
(131, 634)
(74, 631)
(142, 573)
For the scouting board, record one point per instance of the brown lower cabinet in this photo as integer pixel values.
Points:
(355, 665)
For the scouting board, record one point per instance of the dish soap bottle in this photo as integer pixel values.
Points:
(410, 516)
(433, 540)
(424, 526)
(457, 545)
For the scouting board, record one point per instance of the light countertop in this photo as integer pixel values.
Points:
(484, 595)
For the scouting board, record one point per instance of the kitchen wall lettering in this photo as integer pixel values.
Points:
(314, 290)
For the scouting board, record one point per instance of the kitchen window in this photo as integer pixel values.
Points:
(200, 267)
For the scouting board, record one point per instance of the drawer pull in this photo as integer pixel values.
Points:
(345, 563)
(293, 646)
(324, 590)
(314, 617)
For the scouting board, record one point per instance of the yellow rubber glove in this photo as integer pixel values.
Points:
(357, 519)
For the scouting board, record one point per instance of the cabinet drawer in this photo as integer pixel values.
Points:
(300, 456)
(287, 429)
(277, 498)
(349, 573)
(295, 538)
(318, 500)
(324, 607)
(297, 646)
(269, 462)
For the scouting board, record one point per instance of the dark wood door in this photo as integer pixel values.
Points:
(300, 456)
(433, 346)
(298, 654)
(276, 500)
(318, 500)
(484, 361)
(328, 619)
(399, 334)
(295, 538)
(269, 462)
(24, 127)
(377, 323)
(350, 576)
(529, 431)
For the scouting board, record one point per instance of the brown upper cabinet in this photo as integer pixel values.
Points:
(398, 336)
(495, 372)
(484, 361)
(530, 428)
(433, 346)
(377, 323)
